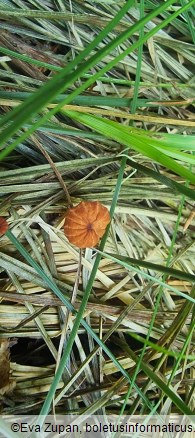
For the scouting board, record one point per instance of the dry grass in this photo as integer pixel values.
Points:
(151, 222)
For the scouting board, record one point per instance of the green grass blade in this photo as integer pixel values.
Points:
(160, 349)
(123, 134)
(144, 274)
(161, 384)
(180, 188)
(155, 267)
(28, 59)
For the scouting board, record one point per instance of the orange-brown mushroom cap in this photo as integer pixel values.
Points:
(3, 226)
(86, 223)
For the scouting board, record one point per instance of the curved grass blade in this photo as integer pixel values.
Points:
(124, 135)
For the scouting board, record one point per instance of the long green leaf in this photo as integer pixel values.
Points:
(124, 135)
